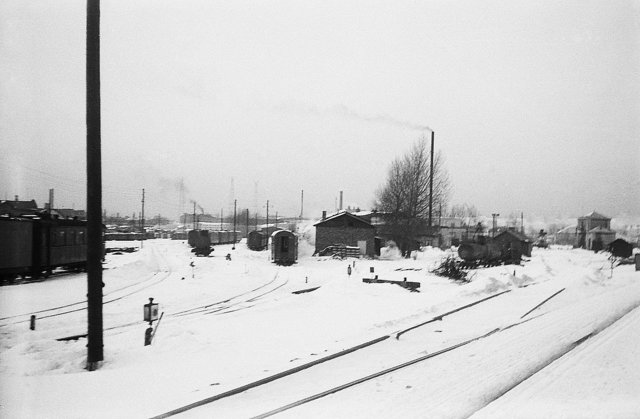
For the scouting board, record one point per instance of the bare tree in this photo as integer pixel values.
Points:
(404, 198)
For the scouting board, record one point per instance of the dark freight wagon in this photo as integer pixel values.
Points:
(284, 247)
(257, 240)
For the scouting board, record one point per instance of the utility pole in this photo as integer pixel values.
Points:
(276, 219)
(142, 221)
(95, 344)
(235, 203)
(268, 235)
(301, 203)
(431, 182)
(494, 224)
(267, 216)
(247, 222)
(194, 215)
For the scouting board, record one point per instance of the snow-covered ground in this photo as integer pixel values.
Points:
(228, 323)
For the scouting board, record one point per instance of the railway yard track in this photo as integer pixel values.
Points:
(294, 387)
(425, 355)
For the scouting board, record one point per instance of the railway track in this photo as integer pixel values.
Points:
(229, 301)
(226, 306)
(112, 296)
(379, 361)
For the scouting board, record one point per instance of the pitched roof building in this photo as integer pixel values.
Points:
(347, 229)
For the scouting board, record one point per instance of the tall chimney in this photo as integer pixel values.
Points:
(324, 215)
(340, 208)
(16, 198)
(50, 199)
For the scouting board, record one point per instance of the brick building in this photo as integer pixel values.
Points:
(348, 229)
(594, 231)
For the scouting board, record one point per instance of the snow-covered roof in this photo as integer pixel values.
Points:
(342, 214)
(594, 214)
(569, 229)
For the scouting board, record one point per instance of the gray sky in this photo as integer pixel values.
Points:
(535, 104)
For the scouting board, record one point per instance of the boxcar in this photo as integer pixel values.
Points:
(257, 240)
(284, 247)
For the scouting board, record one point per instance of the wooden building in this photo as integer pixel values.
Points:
(347, 229)
(519, 244)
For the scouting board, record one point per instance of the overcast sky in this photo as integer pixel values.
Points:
(535, 104)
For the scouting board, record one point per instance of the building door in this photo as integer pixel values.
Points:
(362, 244)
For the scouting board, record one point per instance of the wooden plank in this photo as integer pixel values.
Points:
(305, 290)
(404, 284)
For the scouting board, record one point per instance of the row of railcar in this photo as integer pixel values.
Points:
(36, 246)
(203, 238)
(128, 236)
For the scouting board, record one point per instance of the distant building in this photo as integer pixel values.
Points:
(566, 236)
(594, 231)
(453, 230)
(16, 207)
(347, 229)
(70, 213)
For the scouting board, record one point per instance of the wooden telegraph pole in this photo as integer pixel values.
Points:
(94, 190)
(431, 183)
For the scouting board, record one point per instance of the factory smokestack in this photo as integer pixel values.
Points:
(340, 207)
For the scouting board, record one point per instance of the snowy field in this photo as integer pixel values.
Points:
(228, 323)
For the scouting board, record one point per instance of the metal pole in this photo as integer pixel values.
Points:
(267, 224)
(194, 215)
(94, 190)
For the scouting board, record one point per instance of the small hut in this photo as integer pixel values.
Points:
(517, 243)
(284, 247)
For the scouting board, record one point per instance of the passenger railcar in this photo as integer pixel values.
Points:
(284, 247)
(37, 246)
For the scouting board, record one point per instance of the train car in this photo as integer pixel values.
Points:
(199, 238)
(37, 246)
(474, 254)
(61, 243)
(179, 235)
(225, 236)
(257, 240)
(16, 247)
(284, 247)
